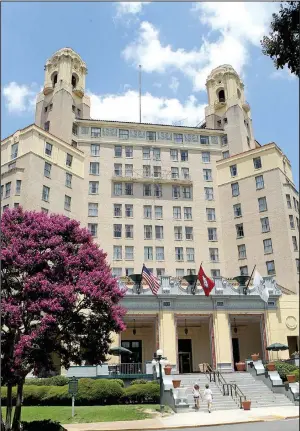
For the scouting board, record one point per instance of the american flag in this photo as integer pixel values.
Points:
(152, 281)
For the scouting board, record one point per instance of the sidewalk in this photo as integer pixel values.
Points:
(193, 419)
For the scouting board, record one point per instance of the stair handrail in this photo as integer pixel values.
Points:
(231, 389)
(237, 394)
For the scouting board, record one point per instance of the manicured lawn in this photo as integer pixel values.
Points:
(89, 414)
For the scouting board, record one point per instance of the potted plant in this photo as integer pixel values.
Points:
(246, 404)
(271, 366)
(168, 369)
(255, 357)
(176, 383)
(240, 366)
(291, 378)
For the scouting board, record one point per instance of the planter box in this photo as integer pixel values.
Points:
(176, 383)
(246, 405)
(291, 378)
(241, 366)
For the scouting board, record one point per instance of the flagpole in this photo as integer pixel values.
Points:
(250, 279)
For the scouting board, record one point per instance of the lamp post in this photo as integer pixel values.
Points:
(158, 358)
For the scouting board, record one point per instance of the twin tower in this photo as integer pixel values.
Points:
(63, 100)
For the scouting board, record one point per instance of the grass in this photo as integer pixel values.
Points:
(88, 414)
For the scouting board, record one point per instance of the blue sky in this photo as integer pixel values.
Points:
(176, 43)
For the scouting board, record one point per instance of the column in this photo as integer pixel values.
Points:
(223, 341)
(116, 342)
(167, 336)
(212, 341)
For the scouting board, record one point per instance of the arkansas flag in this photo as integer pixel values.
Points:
(206, 283)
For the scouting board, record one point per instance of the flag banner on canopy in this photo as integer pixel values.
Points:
(206, 282)
(151, 280)
(259, 284)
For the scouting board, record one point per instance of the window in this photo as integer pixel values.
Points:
(45, 193)
(129, 152)
(118, 151)
(44, 210)
(178, 233)
(117, 170)
(5, 207)
(235, 190)
(175, 173)
(118, 189)
(147, 190)
(214, 254)
(92, 209)
(47, 126)
(146, 171)
(204, 140)
(2, 189)
(184, 155)
(117, 272)
(93, 228)
(147, 232)
(50, 106)
(295, 245)
(268, 248)
(262, 204)
(123, 134)
(7, 189)
(18, 187)
(69, 160)
(129, 210)
(148, 211)
(160, 253)
(117, 210)
(215, 273)
(159, 232)
(156, 154)
(158, 190)
(185, 173)
(211, 214)
(157, 171)
(47, 170)
(242, 251)
(95, 149)
(288, 201)
(95, 132)
(179, 253)
(248, 141)
(212, 234)
(178, 138)
(270, 267)
(93, 187)
(129, 271)
(117, 252)
(297, 223)
(187, 213)
(225, 154)
(160, 272)
(179, 273)
(129, 252)
(117, 231)
(177, 213)
(259, 182)
(233, 170)
(78, 112)
(175, 192)
(190, 254)
(187, 192)
(75, 129)
(158, 212)
(128, 231)
(48, 149)
(146, 153)
(84, 130)
(128, 170)
(67, 203)
(148, 253)
(209, 193)
(292, 223)
(174, 155)
(189, 234)
(207, 176)
(224, 139)
(151, 136)
(239, 230)
(14, 151)
(68, 180)
(257, 162)
(265, 226)
(237, 210)
(206, 157)
(94, 168)
(128, 189)
(244, 270)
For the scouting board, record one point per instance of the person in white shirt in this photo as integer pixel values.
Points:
(208, 397)
(196, 395)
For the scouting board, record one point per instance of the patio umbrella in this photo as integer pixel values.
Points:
(276, 347)
(117, 351)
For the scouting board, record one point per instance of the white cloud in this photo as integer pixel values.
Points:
(174, 84)
(157, 84)
(284, 73)
(19, 98)
(130, 8)
(234, 26)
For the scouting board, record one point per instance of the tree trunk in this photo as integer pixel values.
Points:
(17, 415)
(8, 407)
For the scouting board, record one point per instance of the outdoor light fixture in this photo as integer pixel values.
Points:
(160, 360)
(134, 329)
(186, 331)
(235, 329)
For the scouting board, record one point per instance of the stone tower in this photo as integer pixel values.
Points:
(227, 108)
(63, 99)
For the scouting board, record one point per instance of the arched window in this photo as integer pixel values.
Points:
(221, 96)
(74, 80)
(238, 93)
(54, 79)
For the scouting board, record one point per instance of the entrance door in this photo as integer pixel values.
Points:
(185, 356)
(293, 344)
(136, 348)
(235, 351)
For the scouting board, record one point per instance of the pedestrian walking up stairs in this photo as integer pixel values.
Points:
(256, 391)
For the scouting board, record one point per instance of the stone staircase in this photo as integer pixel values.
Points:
(256, 391)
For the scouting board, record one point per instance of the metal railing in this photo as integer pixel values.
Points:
(126, 369)
(227, 389)
(236, 394)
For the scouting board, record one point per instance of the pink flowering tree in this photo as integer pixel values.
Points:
(58, 296)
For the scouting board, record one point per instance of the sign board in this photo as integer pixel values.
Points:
(73, 386)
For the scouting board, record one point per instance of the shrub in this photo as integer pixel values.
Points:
(139, 382)
(106, 392)
(145, 393)
(45, 425)
(33, 395)
(56, 396)
(49, 381)
(119, 381)
(296, 373)
(284, 368)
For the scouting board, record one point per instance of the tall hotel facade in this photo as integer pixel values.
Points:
(170, 197)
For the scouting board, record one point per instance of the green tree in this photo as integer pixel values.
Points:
(283, 44)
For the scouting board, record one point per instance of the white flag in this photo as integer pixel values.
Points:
(262, 289)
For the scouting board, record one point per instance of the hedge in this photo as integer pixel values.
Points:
(284, 368)
(90, 392)
(45, 425)
(49, 381)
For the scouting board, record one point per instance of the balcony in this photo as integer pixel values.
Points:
(166, 177)
(220, 103)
